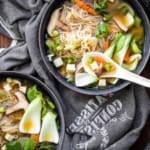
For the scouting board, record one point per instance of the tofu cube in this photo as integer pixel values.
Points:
(94, 65)
(23, 89)
(130, 20)
(7, 87)
(70, 68)
(58, 62)
(50, 57)
(102, 82)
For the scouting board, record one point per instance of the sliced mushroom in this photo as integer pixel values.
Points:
(53, 21)
(22, 103)
(62, 26)
(5, 121)
(12, 100)
(10, 129)
(10, 137)
(63, 16)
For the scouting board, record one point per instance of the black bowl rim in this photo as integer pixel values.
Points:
(113, 88)
(48, 91)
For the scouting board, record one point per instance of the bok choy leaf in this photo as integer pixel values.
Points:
(122, 47)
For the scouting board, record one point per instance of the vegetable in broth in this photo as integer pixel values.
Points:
(109, 26)
(23, 105)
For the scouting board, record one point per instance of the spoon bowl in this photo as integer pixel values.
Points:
(117, 71)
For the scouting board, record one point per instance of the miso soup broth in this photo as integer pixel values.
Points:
(109, 26)
(24, 107)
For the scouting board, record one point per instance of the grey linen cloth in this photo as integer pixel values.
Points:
(110, 122)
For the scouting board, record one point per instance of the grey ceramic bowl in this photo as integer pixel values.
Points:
(45, 89)
(101, 91)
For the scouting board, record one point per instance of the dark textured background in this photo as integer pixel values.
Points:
(145, 135)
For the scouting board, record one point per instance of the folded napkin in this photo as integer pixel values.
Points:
(110, 122)
(147, 147)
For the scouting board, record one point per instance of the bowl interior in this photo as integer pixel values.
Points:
(100, 91)
(45, 90)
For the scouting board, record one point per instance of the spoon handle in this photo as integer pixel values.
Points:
(132, 77)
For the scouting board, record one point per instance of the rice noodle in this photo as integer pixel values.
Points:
(82, 37)
(9, 123)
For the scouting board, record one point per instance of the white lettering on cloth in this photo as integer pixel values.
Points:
(93, 117)
(105, 138)
(123, 117)
(102, 143)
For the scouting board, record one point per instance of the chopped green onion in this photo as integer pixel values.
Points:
(54, 33)
(70, 60)
(3, 96)
(90, 60)
(50, 44)
(107, 67)
(100, 6)
(57, 41)
(2, 109)
(50, 103)
(102, 29)
(134, 47)
(9, 80)
(70, 79)
(107, 17)
(137, 21)
(76, 44)
(60, 48)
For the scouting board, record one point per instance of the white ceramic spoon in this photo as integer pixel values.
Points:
(118, 72)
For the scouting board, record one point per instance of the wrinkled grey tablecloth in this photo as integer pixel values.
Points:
(111, 122)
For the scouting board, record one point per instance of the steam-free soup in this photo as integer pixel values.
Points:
(108, 26)
(27, 116)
